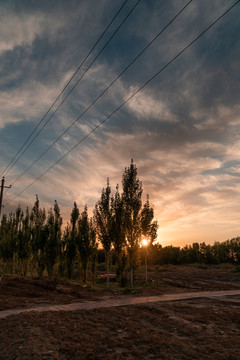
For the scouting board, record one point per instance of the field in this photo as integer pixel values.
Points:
(186, 329)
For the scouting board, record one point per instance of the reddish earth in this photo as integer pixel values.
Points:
(190, 329)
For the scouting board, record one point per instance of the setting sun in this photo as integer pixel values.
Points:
(144, 242)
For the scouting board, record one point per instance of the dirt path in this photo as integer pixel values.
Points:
(89, 305)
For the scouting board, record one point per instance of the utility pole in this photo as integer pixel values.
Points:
(1, 194)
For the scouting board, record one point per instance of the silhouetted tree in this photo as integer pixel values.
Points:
(23, 248)
(63, 262)
(118, 235)
(94, 250)
(53, 242)
(207, 255)
(38, 238)
(103, 221)
(70, 239)
(132, 194)
(234, 245)
(148, 225)
(83, 241)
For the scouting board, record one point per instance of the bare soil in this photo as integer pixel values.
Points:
(190, 329)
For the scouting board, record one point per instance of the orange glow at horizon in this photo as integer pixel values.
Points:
(144, 242)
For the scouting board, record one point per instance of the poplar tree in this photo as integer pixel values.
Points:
(53, 242)
(148, 225)
(132, 195)
(103, 220)
(83, 241)
(118, 234)
(71, 240)
(94, 250)
(38, 238)
(15, 232)
(63, 267)
(23, 250)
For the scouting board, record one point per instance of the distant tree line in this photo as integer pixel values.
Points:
(218, 253)
(34, 241)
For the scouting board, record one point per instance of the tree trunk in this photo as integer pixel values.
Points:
(84, 273)
(131, 272)
(107, 270)
(131, 269)
(131, 277)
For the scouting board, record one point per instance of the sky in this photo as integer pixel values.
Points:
(182, 129)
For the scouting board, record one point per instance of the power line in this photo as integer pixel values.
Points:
(130, 97)
(103, 92)
(126, 17)
(13, 162)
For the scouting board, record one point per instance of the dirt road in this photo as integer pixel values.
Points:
(89, 305)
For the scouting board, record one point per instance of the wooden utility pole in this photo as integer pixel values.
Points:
(1, 194)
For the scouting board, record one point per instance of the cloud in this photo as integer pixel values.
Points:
(21, 29)
(146, 107)
(28, 102)
(182, 130)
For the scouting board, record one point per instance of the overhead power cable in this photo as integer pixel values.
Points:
(64, 99)
(103, 92)
(130, 97)
(16, 158)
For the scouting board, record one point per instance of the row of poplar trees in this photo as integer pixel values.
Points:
(35, 241)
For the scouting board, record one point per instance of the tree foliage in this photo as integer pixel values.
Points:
(70, 240)
(119, 235)
(86, 242)
(132, 200)
(53, 238)
(104, 223)
(33, 241)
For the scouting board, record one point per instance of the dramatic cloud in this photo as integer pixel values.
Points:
(181, 129)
